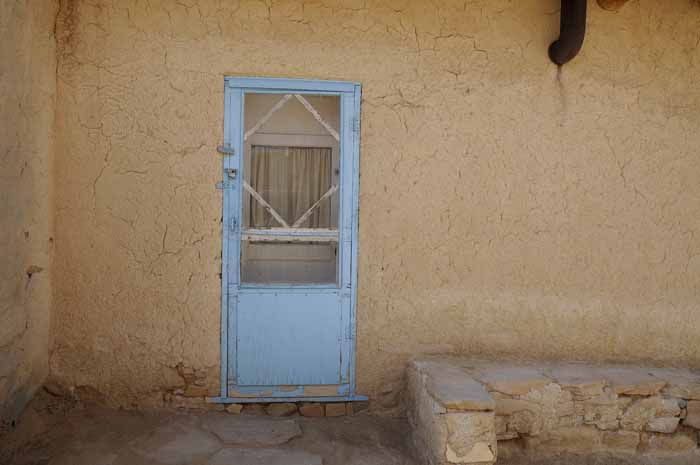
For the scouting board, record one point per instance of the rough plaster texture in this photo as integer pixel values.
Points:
(507, 208)
(27, 99)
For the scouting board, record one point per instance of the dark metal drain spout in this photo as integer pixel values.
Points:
(572, 31)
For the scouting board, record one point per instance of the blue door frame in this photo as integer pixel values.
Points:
(234, 388)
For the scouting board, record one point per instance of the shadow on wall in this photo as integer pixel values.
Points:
(27, 98)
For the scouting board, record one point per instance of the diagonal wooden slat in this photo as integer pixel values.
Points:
(308, 212)
(264, 204)
(318, 117)
(267, 116)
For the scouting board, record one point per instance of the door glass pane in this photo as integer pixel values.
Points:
(291, 180)
(291, 189)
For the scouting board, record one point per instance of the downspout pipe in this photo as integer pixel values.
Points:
(572, 30)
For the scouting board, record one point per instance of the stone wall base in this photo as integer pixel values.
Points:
(474, 412)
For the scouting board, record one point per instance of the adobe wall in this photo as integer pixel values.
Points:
(507, 208)
(27, 101)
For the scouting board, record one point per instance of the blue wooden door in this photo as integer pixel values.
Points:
(291, 160)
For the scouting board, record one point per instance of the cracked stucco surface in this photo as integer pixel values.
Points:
(506, 208)
(27, 99)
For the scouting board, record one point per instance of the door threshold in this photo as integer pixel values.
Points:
(257, 400)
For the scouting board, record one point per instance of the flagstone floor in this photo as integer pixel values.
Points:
(57, 434)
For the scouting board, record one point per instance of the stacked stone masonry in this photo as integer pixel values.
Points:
(182, 399)
(464, 411)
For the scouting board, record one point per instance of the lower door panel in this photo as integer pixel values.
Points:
(289, 338)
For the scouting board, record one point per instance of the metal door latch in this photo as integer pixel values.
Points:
(229, 183)
(230, 173)
(226, 150)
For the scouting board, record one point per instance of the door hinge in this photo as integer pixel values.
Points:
(233, 224)
(356, 125)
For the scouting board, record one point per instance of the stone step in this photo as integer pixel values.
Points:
(453, 388)
(451, 414)
(459, 408)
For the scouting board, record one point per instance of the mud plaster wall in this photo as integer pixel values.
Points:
(506, 208)
(27, 100)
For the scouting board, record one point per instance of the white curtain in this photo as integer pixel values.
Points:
(291, 180)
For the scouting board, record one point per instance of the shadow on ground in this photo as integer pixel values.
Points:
(60, 432)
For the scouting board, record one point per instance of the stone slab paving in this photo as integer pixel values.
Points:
(177, 442)
(96, 436)
(251, 431)
(264, 457)
(92, 457)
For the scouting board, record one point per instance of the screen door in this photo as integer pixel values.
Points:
(290, 211)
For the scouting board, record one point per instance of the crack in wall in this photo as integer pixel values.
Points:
(518, 204)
